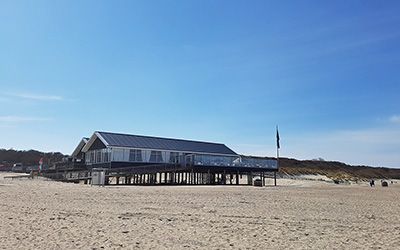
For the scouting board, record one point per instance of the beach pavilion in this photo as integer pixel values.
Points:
(136, 159)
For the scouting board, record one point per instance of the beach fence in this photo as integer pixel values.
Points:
(78, 176)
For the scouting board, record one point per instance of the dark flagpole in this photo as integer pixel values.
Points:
(277, 154)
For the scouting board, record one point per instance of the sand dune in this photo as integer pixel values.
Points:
(298, 214)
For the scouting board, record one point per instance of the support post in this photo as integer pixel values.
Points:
(262, 180)
(250, 179)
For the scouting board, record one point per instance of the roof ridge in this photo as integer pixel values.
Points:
(157, 137)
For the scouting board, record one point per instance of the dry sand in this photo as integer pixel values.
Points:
(39, 214)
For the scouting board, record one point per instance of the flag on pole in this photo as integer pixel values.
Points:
(277, 138)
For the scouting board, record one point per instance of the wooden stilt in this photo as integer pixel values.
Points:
(263, 179)
(250, 179)
(224, 178)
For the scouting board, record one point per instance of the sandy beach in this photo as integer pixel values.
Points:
(298, 214)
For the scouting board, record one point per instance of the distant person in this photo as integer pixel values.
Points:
(372, 183)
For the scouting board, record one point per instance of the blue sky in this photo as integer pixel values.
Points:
(327, 72)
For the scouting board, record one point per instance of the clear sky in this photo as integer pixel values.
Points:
(326, 72)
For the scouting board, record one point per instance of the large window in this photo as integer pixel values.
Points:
(106, 155)
(118, 154)
(174, 157)
(98, 155)
(91, 158)
(156, 156)
(135, 155)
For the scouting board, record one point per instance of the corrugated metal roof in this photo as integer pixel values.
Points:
(138, 141)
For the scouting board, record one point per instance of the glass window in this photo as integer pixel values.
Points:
(98, 156)
(156, 156)
(138, 155)
(135, 155)
(126, 155)
(213, 160)
(106, 155)
(92, 156)
(174, 157)
(132, 155)
(118, 154)
(88, 158)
